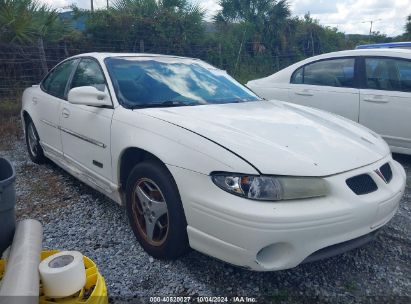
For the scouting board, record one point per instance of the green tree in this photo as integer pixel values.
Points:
(263, 19)
(408, 28)
(28, 22)
(166, 25)
(23, 21)
(257, 12)
(259, 27)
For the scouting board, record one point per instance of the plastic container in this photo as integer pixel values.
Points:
(21, 280)
(94, 292)
(7, 203)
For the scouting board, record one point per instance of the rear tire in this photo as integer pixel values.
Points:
(155, 211)
(34, 148)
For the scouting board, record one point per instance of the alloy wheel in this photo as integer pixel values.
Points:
(150, 212)
(33, 140)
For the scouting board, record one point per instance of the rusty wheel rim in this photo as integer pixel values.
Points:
(150, 212)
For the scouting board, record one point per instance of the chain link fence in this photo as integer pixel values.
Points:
(23, 66)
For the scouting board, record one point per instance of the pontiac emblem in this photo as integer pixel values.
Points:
(381, 175)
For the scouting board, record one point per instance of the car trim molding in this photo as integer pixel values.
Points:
(49, 123)
(82, 137)
(75, 134)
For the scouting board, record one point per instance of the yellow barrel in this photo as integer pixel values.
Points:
(94, 292)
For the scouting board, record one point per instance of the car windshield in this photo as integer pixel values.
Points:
(141, 83)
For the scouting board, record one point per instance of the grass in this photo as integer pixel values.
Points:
(350, 286)
(9, 108)
(10, 127)
(280, 296)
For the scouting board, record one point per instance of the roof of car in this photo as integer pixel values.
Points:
(404, 53)
(378, 51)
(400, 44)
(103, 56)
(284, 74)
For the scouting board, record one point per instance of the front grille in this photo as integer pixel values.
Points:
(362, 184)
(386, 172)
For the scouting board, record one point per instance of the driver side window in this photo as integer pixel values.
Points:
(88, 73)
(388, 74)
(55, 83)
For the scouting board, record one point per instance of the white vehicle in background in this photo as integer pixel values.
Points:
(199, 160)
(369, 86)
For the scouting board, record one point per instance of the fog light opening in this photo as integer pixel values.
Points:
(274, 255)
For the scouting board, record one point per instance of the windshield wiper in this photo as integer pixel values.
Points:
(163, 104)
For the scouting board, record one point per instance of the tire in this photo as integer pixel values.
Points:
(150, 191)
(33, 143)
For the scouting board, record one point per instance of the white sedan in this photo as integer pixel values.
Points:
(370, 86)
(200, 161)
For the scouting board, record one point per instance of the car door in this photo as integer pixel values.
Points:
(47, 103)
(85, 130)
(385, 100)
(329, 85)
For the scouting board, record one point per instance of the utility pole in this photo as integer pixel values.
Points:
(92, 6)
(108, 5)
(371, 22)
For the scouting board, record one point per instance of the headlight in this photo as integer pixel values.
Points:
(271, 188)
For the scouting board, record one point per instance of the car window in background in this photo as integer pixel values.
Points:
(88, 73)
(56, 82)
(388, 74)
(404, 70)
(333, 72)
(147, 82)
(298, 76)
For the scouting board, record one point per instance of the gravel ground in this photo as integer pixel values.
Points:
(75, 217)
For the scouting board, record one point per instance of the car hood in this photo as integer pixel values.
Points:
(281, 138)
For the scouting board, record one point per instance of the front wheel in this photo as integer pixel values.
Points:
(33, 143)
(155, 211)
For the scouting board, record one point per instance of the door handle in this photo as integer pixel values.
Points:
(304, 93)
(376, 99)
(65, 113)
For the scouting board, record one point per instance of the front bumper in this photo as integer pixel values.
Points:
(268, 236)
(340, 248)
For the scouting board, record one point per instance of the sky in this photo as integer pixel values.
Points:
(349, 16)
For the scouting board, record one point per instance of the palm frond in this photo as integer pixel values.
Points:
(22, 21)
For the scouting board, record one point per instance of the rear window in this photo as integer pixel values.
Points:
(334, 73)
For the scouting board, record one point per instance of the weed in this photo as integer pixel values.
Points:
(350, 286)
(280, 296)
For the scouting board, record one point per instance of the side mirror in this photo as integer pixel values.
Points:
(89, 96)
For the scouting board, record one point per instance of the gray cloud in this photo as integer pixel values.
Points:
(314, 7)
(352, 16)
